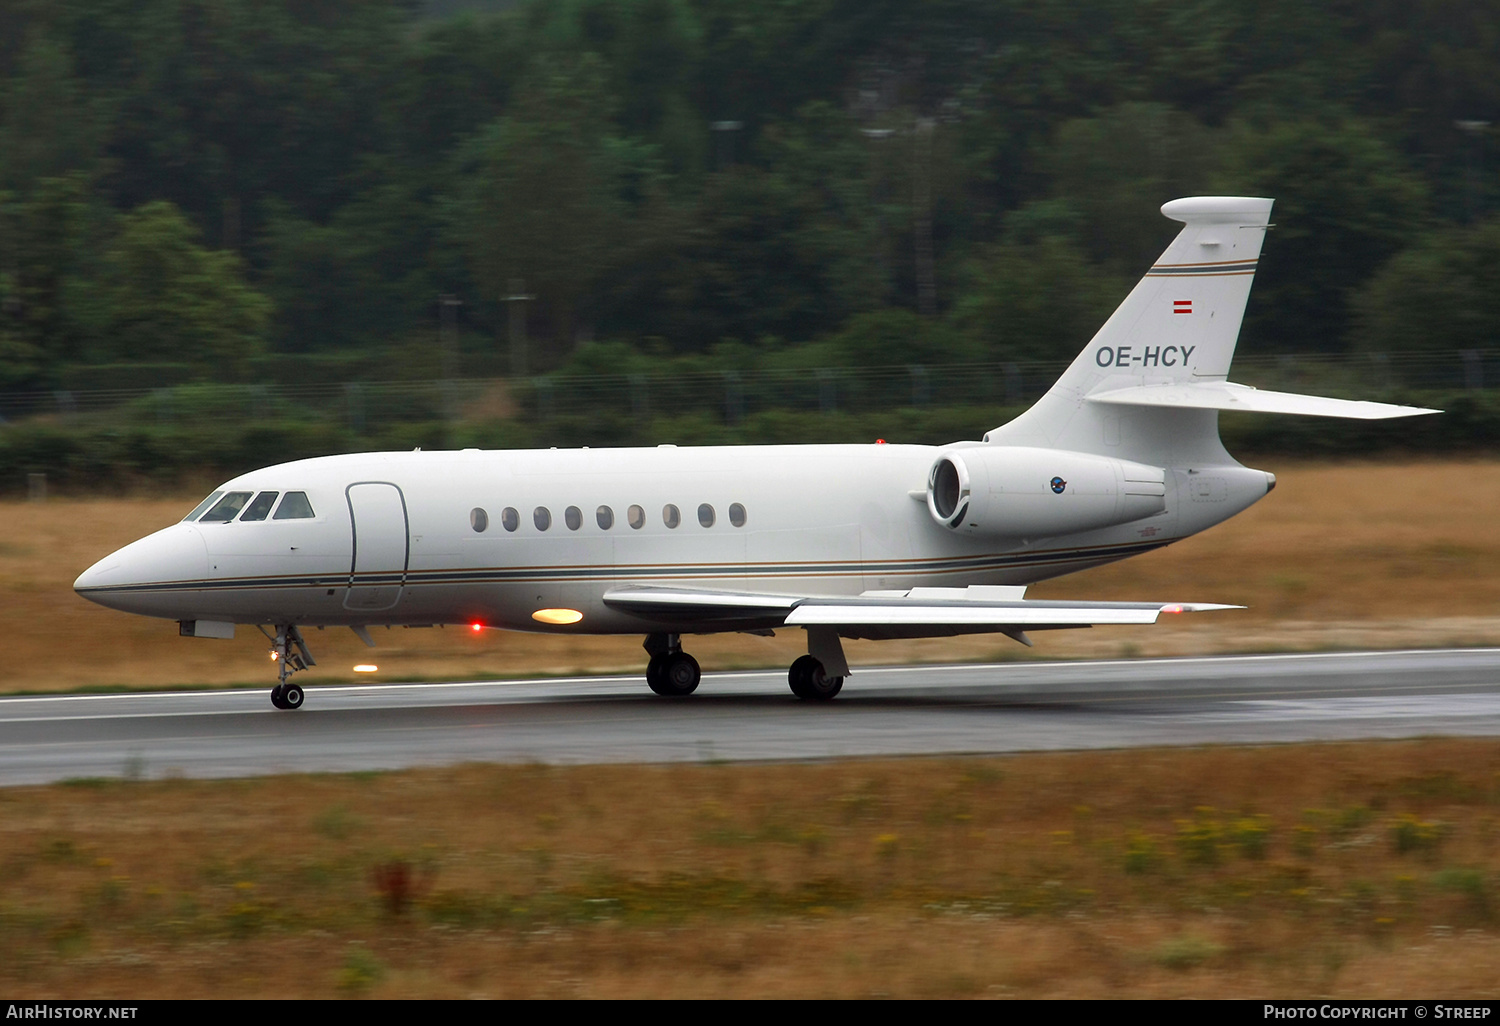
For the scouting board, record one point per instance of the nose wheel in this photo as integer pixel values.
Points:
(286, 696)
(289, 650)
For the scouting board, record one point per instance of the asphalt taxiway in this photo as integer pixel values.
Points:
(916, 710)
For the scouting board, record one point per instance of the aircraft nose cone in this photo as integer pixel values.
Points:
(140, 576)
(98, 574)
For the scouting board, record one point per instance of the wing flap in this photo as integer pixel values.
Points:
(939, 610)
(998, 615)
(698, 604)
(1225, 395)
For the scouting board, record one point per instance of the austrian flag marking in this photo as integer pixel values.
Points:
(1182, 306)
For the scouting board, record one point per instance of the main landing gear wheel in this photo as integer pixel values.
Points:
(810, 681)
(673, 674)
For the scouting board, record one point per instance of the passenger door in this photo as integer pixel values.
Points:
(377, 512)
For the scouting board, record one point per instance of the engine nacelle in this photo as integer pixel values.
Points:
(1015, 492)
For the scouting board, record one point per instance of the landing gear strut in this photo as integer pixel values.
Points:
(671, 672)
(290, 651)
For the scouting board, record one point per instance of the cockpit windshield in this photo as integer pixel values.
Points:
(260, 508)
(226, 509)
(224, 506)
(294, 507)
(202, 506)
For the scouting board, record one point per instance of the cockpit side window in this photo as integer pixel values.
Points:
(260, 508)
(202, 506)
(294, 507)
(226, 509)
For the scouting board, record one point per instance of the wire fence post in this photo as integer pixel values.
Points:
(1012, 384)
(828, 392)
(1473, 370)
(734, 398)
(354, 406)
(920, 386)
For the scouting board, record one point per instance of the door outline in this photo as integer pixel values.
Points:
(400, 586)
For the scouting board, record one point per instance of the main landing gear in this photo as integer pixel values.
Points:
(819, 675)
(815, 677)
(289, 650)
(671, 672)
(810, 680)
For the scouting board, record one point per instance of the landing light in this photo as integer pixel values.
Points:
(559, 616)
(366, 668)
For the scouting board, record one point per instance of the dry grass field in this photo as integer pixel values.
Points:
(1298, 871)
(1354, 870)
(1356, 555)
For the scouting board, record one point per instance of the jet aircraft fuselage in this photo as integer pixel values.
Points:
(496, 537)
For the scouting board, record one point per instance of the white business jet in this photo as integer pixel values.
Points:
(845, 541)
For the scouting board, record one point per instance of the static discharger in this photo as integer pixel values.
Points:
(557, 616)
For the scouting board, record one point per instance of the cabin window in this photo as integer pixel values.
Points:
(606, 517)
(635, 516)
(671, 515)
(294, 506)
(542, 518)
(261, 507)
(509, 518)
(573, 517)
(227, 508)
(202, 506)
(706, 515)
(736, 514)
(479, 520)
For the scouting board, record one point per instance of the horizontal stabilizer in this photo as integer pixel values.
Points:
(1224, 395)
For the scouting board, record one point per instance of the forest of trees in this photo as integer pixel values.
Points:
(201, 187)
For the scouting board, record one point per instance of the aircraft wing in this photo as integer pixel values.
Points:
(914, 613)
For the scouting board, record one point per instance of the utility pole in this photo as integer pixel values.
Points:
(447, 313)
(724, 133)
(1475, 130)
(921, 173)
(517, 297)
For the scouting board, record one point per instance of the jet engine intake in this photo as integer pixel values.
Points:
(1017, 492)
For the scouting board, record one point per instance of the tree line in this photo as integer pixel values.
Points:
(215, 189)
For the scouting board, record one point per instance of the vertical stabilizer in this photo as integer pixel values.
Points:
(1179, 325)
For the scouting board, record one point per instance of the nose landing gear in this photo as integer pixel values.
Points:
(290, 651)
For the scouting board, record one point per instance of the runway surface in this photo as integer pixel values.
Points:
(1005, 707)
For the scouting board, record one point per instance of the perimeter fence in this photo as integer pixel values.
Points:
(727, 396)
